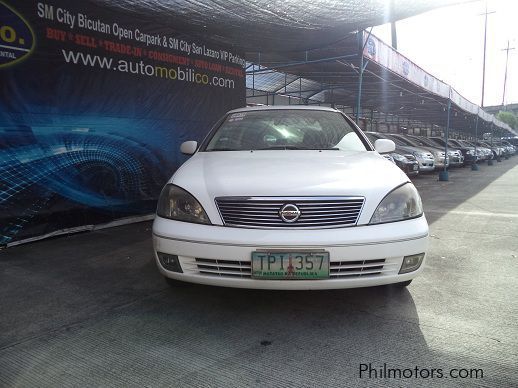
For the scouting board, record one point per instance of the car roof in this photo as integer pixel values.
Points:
(376, 133)
(283, 107)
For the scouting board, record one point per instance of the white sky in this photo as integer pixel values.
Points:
(448, 43)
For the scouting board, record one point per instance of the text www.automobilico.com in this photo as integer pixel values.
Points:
(170, 73)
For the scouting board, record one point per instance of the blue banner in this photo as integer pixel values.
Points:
(94, 106)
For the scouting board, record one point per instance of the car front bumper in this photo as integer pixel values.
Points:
(469, 159)
(234, 246)
(426, 164)
(456, 160)
(410, 168)
(439, 163)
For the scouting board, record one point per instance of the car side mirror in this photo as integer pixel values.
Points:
(188, 147)
(384, 146)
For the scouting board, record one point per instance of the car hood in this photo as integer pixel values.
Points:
(429, 149)
(208, 175)
(466, 148)
(403, 151)
(411, 149)
(450, 149)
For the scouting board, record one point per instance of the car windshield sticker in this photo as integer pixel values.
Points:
(236, 117)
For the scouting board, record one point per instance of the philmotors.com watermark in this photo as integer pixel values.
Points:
(370, 371)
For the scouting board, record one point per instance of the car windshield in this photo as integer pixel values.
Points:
(438, 141)
(285, 129)
(399, 141)
(387, 136)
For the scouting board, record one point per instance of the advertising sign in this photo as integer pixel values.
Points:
(94, 106)
(381, 53)
(378, 51)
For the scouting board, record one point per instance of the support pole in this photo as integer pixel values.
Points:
(490, 161)
(474, 165)
(505, 76)
(359, 96)
(393, 26)
(443, 175)
(499, 157)
(484, 60)
(393, 34)
(361, 47)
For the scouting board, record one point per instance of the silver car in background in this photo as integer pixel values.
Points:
(455, 157)
(438, 154)
(424, 157)
(404, 160)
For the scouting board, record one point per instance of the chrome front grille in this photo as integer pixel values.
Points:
(337, 269)
(357, 268)
(232, 268)
(315, 212)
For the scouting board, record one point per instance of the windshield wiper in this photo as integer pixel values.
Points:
(290, 147)
(279, 147)
(221, 149)
(282, 147)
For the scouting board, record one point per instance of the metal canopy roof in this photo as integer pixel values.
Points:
(330, 75)
(274, 25)
(312, 46)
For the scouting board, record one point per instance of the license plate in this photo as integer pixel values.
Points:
(290, 265)
(415, 167)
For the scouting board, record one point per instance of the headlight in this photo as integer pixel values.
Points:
(470, 152)
(400, 204)
(177, 204)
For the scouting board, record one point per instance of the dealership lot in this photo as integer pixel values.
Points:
(221, 194)
(91, 309)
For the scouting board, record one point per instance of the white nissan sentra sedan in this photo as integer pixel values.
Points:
(289, 198)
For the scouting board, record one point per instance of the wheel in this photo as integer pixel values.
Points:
(403, 284)
(174, 283)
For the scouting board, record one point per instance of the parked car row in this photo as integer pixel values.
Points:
(416, 154)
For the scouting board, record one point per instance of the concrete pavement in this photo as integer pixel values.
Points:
(91, 310)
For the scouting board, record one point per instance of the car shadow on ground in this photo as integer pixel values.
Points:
(84, 304)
